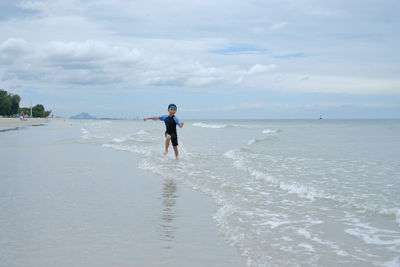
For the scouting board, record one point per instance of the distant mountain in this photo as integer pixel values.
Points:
(83, 115)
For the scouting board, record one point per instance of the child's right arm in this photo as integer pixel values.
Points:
(151, 118)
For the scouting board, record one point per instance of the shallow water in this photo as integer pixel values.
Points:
(291, 192)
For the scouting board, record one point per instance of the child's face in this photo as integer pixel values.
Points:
(171, 111)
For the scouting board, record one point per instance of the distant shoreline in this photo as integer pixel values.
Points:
(12, 123)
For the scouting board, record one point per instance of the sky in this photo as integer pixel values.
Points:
(215, 59)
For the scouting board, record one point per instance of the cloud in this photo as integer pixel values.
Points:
(98, 63)
(242, 106)
(341, 105)
(292, 55)
(339, 84)
(278, 26)
(11, 49)
(53, 7)
(209, 44)
(307, 106)
(258, 68)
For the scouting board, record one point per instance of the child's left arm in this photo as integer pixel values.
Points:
(180, 124)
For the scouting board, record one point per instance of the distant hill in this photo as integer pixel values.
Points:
(83, 115)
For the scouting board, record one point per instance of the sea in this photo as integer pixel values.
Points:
(289, 192)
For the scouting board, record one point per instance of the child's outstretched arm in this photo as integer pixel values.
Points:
(181, 124)
(151, 118)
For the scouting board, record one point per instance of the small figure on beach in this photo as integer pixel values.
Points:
(170, 121)
(22, 116)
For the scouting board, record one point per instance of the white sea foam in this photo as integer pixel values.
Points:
(245, 161)
(128, 138)
(131, 148)
(213, 126)
(85, 133)
(300, 190)
(371, 236)
(142, 132)
(391, 211)
(395, 262)
(95, 130)
(122, 139)
(307, 247)
(269, 131)
(252, 141)
(219, 126)
(256, 141)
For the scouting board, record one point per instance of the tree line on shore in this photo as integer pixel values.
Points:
(9, 106)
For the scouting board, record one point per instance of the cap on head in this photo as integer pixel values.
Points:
(172, 106)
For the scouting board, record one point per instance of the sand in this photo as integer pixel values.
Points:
(11, 123)
(66, 203)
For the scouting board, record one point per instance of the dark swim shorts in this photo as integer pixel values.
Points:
(174, 138)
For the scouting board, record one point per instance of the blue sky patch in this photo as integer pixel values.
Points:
(237, 49)
(292, 55)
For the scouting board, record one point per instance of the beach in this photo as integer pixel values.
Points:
(243, 192)
(67, 202)
(11, 123)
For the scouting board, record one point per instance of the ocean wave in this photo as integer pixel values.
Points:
(95, 130)
(300, 190)
(130, 148)
(372, 238)
(141, 132)
(256, 141)
(253, 141)
(129, 138)
(85, 133)
(395, 262)
(122, 139)
(391, 211)
(270, 131)
(245, 161)
(370, 208)
(219, 126)
(372, 235)
(213, 126)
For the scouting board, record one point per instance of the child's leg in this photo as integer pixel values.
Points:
(176, 151)
(167, 141)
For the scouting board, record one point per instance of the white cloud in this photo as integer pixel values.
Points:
(96, 63)
(346, 84)
(242, 106)
(156, 43)
(11, 49)
(258, 68)
(306, 106)
(53, 7)
(341, 84)
(327, 105)
(278, 26)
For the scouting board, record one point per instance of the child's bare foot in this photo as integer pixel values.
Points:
(165, 152)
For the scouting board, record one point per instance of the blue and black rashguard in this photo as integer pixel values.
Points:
(170, 124)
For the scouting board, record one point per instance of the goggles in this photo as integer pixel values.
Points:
(172, 107)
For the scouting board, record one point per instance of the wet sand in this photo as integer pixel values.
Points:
(12, 123)
(65, 203)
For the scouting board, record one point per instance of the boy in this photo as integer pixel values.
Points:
(170, 134)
